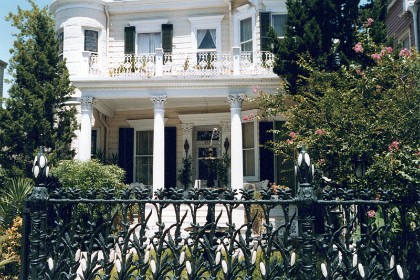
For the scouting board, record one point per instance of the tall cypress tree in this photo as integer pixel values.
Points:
(310, 31)
(36, 113)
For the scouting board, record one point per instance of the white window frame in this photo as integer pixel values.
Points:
(277, 14)
(256, 176)
(206, 22)
(147, 26)
(243, 12)
(88, 28)
(404, 36)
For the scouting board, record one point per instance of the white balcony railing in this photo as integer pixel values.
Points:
(183, 64)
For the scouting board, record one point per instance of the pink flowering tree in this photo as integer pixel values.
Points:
(366, 112)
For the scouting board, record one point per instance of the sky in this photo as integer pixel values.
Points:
(6, 30)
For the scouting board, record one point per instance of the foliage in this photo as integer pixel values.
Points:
(9, 249)
(222, 169)
(377, 11)
(185, 172)
(36, 113)
(104, 158)
(322, 30)
(88, 174)
(13, 197)
(359, 112)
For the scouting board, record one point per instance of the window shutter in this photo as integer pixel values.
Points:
(170, 157)
(266, 155)
(264, 28)
(125, 152)
(129, 39)
(167, 34)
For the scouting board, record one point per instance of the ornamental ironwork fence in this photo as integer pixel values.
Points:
(211, 234)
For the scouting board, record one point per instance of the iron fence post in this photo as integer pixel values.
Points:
(306, 199)
(37, 204)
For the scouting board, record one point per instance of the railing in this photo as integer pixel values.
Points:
(183, 64)
(110, 234)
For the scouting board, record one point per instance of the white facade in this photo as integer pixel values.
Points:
(153, 74)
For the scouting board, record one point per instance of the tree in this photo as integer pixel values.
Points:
(377, 11)
(36, 113)
(359, 115)
(323, 30)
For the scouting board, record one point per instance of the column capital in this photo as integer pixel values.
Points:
(235, 101)
(187, 128)
(158, 101)
(86, 102)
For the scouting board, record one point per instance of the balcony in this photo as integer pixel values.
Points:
(200, 64)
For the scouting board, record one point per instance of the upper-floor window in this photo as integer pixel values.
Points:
(206, 39)
(60, 39)
(246, 35)
(145, 36)
(278, 22)
(91, 41)
(149, 42)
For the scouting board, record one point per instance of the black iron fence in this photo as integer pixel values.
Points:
(209, 234)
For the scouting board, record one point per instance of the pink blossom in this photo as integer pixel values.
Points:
(370, 21)
(320, 132)
(246, 118)
(292, 135)
(358, 71)
(358, 48)
(251, 116)
(376, 56)
(371, 213)
(289, 141)
(393, 146)
(389, 49)
(405, 53)
(255, 89)
(321, 161)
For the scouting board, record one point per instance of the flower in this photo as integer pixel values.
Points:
(370, 21)
(255, 89)
(358, 48)
(320, 132)
(389, 49)
(394, 146)
(404, 52)
(246, 118)
(292, 135)
(371, 213)
(376, 56)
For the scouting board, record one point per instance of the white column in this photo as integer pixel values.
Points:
(158, 142)
(85, 137)
(237, 178)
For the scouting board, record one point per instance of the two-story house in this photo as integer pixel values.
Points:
(402, 22)
(157, 78)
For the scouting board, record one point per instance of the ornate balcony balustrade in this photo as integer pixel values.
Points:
(182, 64)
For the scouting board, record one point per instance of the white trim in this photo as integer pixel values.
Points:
(244, 12)
(205, 119)
(148, 26)
(142, 125)
(206, 22)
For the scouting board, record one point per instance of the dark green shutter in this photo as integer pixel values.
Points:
(167, 34)
(170, 157)
(125, 152)
(129, 39)
(264, 28)
(266, 155)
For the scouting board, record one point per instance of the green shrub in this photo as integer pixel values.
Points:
(88, 174)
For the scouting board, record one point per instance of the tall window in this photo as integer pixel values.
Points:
(279, 22)
(91, 41)
(248, 142)
(144, 157)
(60, 39)
(246, 35)
(148, 42)
(206, 39)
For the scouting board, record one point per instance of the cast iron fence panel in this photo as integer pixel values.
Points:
(124, 234)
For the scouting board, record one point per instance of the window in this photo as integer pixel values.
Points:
(246, 35)
(94, 142)
(148, 42)
(91, 41)
(405, 40)
(206, 39)
(60, 39)
(278, 22)
(249, 148)
(144, 157)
